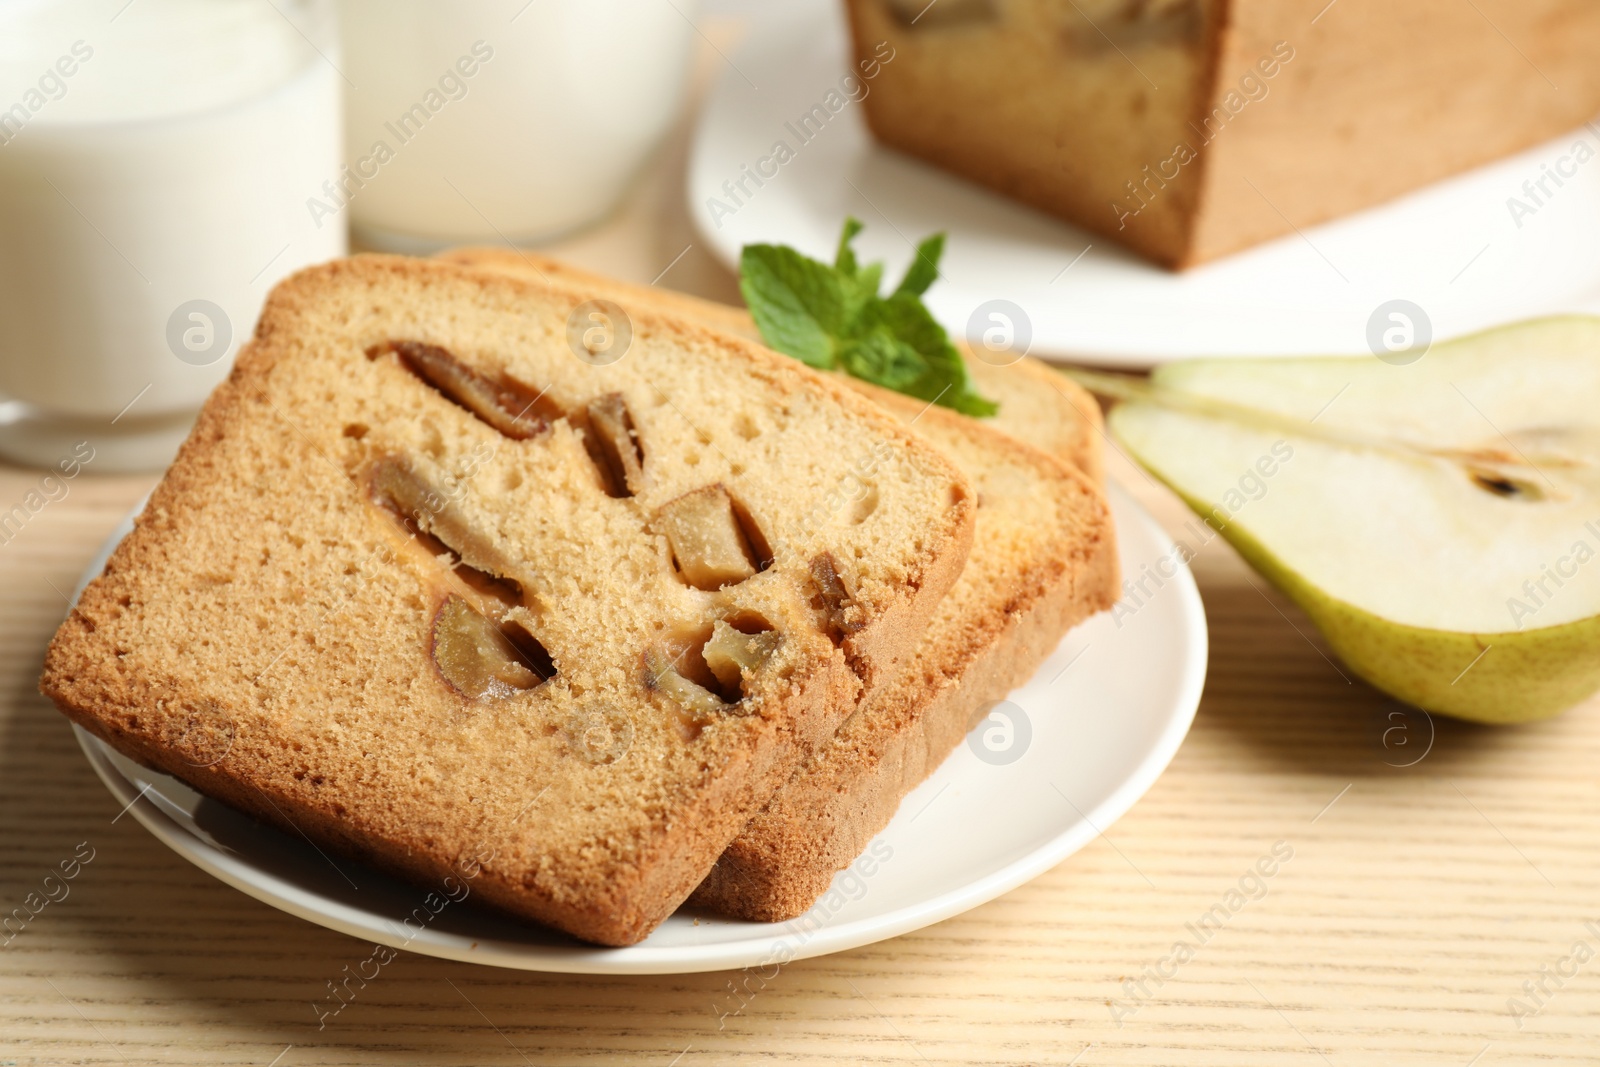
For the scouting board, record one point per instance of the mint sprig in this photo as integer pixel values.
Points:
(833, 318)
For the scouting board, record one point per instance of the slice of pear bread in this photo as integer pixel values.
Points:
(440, 580)
(1037, 404)
(1043, 559)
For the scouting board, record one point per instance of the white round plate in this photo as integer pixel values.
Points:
(1453, 249)
(1081, 743)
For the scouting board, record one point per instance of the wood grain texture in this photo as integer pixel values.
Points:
(1412, 909)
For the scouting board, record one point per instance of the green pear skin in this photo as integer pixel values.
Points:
(1499, 678)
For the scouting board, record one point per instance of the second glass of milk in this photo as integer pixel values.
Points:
(492, 120)
(156, 162)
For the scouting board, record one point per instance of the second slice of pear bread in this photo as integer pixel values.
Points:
(444, 578)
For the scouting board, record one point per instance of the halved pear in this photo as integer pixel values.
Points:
(1439, 521)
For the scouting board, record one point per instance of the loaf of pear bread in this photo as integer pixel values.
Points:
(442, 573)
(1189, 129)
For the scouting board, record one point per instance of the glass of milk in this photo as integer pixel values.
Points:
(156, 160)
(495, 120)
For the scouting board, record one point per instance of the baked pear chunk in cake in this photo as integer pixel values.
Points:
(453, 580)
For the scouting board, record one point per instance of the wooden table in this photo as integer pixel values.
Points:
(1418, 900)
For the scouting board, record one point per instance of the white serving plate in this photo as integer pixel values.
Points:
(1104, 716)
(1453, 249)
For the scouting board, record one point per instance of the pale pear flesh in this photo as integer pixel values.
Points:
(1440, 521)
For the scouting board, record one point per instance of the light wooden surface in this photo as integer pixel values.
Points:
(1417, 901)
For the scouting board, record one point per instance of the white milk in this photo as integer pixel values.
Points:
(484, 120)
(155, 160)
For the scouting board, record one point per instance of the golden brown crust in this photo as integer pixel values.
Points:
(522, 263)
(316, 674)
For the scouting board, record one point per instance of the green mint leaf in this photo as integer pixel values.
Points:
(844, 261)
(860, 283)
(924, 268)
(968, 402)
(904, 315)
(831, 317)
(879, 357)
(945, 380)
(798, 304)
(869, 278)
(859, 291)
